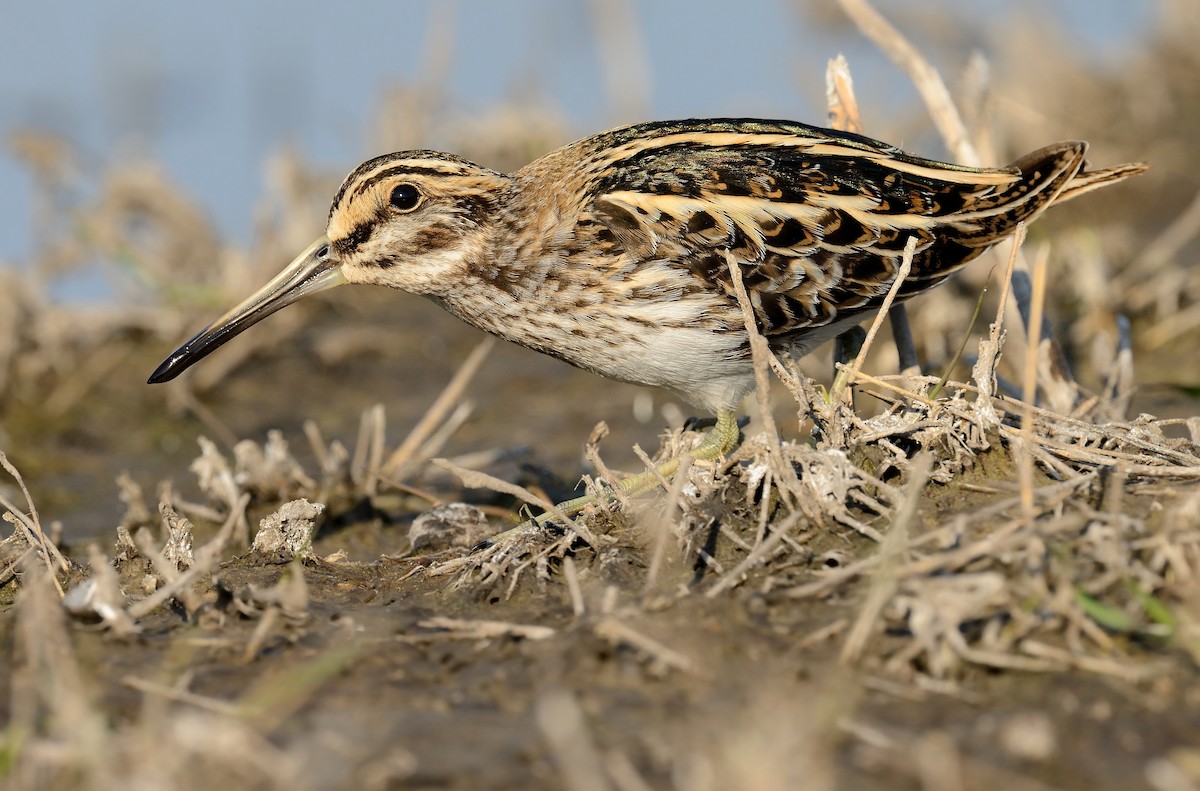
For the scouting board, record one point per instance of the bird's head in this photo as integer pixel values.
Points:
(412, 221)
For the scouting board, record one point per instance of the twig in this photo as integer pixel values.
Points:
(1119, 383)
(1166, 244)
(984, 370)
(839, 97)
(624, 57)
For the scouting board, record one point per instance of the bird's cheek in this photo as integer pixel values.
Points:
(358, 272)
(386, 271)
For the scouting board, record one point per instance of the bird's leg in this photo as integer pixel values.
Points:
(721, 438)
(846, 346)
(910, 364)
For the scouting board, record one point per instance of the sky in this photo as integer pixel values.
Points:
(209, 90)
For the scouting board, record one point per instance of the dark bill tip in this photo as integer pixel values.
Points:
(181, 359)
(313, 270)
(167, 370)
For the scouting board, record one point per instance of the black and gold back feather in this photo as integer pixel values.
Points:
(817, 219)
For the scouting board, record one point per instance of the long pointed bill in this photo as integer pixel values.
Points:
(313, 270)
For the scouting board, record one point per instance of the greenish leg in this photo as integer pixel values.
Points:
(721, 439)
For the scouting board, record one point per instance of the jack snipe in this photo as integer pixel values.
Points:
(612, 252)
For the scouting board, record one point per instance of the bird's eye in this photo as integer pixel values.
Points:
(405, 197)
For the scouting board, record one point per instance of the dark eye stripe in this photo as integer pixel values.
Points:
(356, 238)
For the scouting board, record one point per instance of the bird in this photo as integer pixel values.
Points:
(613, 252)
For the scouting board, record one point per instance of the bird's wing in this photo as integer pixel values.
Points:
(818, 228)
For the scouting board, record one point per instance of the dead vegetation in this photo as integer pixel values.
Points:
(951, 543)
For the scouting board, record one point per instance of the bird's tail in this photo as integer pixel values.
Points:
(1050, 164)
(1087, 180)
(1042, 179)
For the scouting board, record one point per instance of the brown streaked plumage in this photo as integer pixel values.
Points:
(611, 252)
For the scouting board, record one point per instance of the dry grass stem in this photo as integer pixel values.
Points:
(31, 525)
(473, 479)
(984, 370)
(1025, 458)
(571, 575)
(563, 726)
(437, 412)
(206, 560)
(760, 351)
(926, 79)
(844, 114)
(840, 383)
(592, 454)
(624, 58)
(1163, 248)
(891, 550)
(486, 630)
(660, 528)
(760, 552)
(661, 658)
(214, 705)
(839, 97)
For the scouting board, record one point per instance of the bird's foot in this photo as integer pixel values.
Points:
(720, 440)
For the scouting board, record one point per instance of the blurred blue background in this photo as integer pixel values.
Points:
(209, 90)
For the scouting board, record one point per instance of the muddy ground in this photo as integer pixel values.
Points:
(567, 665)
